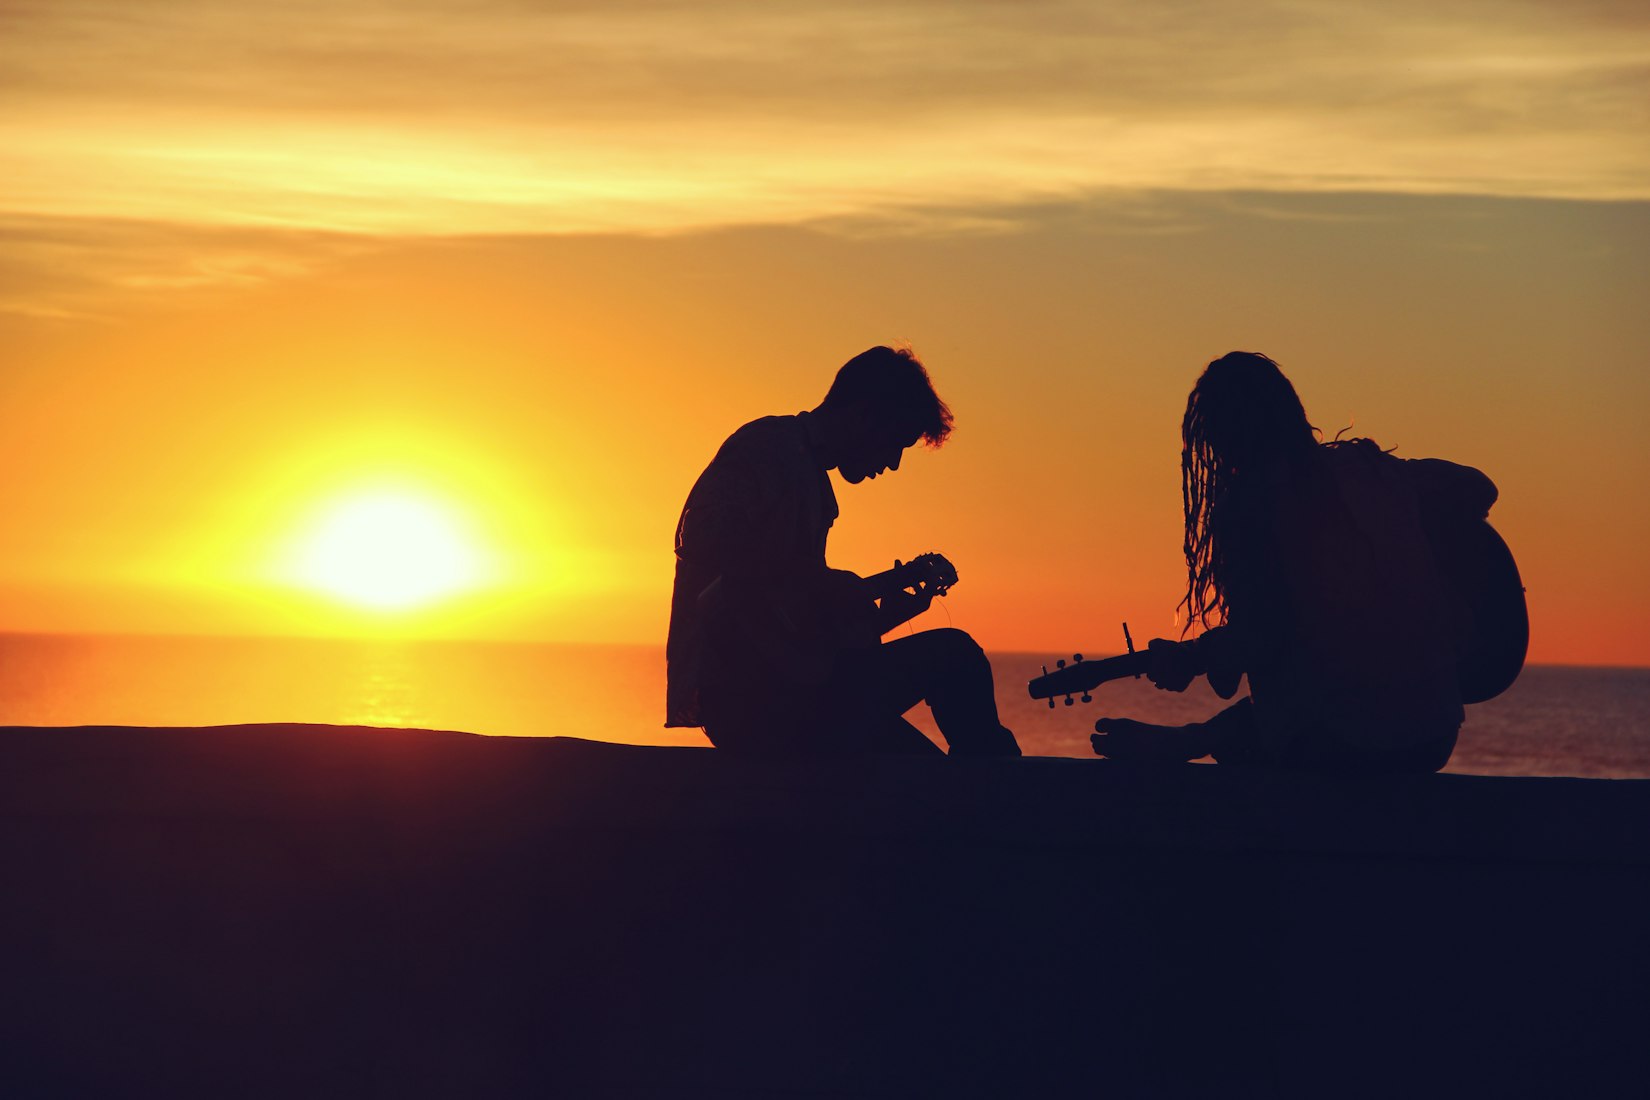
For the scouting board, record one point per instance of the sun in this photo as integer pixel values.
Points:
(388, 550)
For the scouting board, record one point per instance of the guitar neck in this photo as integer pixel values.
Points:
(1085, 675)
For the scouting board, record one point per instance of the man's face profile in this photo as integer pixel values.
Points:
(876, 448)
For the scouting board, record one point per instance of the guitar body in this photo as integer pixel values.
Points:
(1478, 565)
(849, 612)
(792, 636)
(1475, 562)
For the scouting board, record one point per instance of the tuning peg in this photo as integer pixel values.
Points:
(1068, 700)
(1087, 698)
(1076, 658)
(1051, 702)
(1059, 664)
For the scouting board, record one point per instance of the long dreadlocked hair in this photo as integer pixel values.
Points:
(1242, 413)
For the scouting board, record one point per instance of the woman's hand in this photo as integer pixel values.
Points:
(1173, 666)
(1224, 659)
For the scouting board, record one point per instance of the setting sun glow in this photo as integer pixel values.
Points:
(388, 550)
(359, 318)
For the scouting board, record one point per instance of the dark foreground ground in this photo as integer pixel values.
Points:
(302, 911)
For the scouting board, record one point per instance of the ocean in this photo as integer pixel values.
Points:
(1556, 720)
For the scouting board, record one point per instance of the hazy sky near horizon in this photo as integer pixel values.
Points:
(539, 258)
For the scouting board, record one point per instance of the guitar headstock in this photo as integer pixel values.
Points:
(932, 570)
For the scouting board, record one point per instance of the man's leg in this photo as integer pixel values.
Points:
(947, 669)
(843, 719)
(880, 735)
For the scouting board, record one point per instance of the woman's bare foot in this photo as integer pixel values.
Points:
(1142, 742)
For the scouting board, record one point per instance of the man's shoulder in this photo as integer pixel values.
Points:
(770, 427)
(768, 436)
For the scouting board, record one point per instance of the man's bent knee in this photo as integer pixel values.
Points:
(959, 646)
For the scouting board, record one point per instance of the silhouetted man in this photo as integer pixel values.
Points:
(772, 651)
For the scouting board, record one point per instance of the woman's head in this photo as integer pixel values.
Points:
(1242, 415)
(1243, 411)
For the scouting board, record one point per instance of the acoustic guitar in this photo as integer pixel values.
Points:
(1475, 562)
(792, 637)
(850, 614)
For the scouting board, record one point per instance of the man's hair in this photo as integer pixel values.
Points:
(894, 382)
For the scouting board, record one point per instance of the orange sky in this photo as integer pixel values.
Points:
(536, 261)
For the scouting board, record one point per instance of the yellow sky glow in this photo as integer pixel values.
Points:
(391, 549)
(533, 262)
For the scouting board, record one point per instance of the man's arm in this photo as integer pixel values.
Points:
(755, 540)
(900, 607)
(741, 522)
(909, 588)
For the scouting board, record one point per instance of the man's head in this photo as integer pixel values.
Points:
(881, 403)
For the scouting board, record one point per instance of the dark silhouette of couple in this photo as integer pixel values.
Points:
(1347, 585)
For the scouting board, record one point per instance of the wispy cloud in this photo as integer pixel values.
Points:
(443, 117)
(74, 269)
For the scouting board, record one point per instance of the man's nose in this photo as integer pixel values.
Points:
(894, 465)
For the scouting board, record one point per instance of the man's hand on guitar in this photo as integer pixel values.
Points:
(931, 573)
(911, 587)
(902, 606)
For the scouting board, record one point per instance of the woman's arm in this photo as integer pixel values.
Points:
(1218, 653)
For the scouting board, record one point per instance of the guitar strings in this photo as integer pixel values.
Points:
(911, 624)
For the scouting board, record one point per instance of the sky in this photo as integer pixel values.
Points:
(525, 265)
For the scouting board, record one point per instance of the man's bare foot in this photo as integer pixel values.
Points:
(1145, 743)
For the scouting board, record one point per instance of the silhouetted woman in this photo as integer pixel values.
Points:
(1309, 570)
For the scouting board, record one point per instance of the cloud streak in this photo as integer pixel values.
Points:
(78, 269)
(438, 118)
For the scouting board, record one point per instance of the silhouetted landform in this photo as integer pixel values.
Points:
(279, 911)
